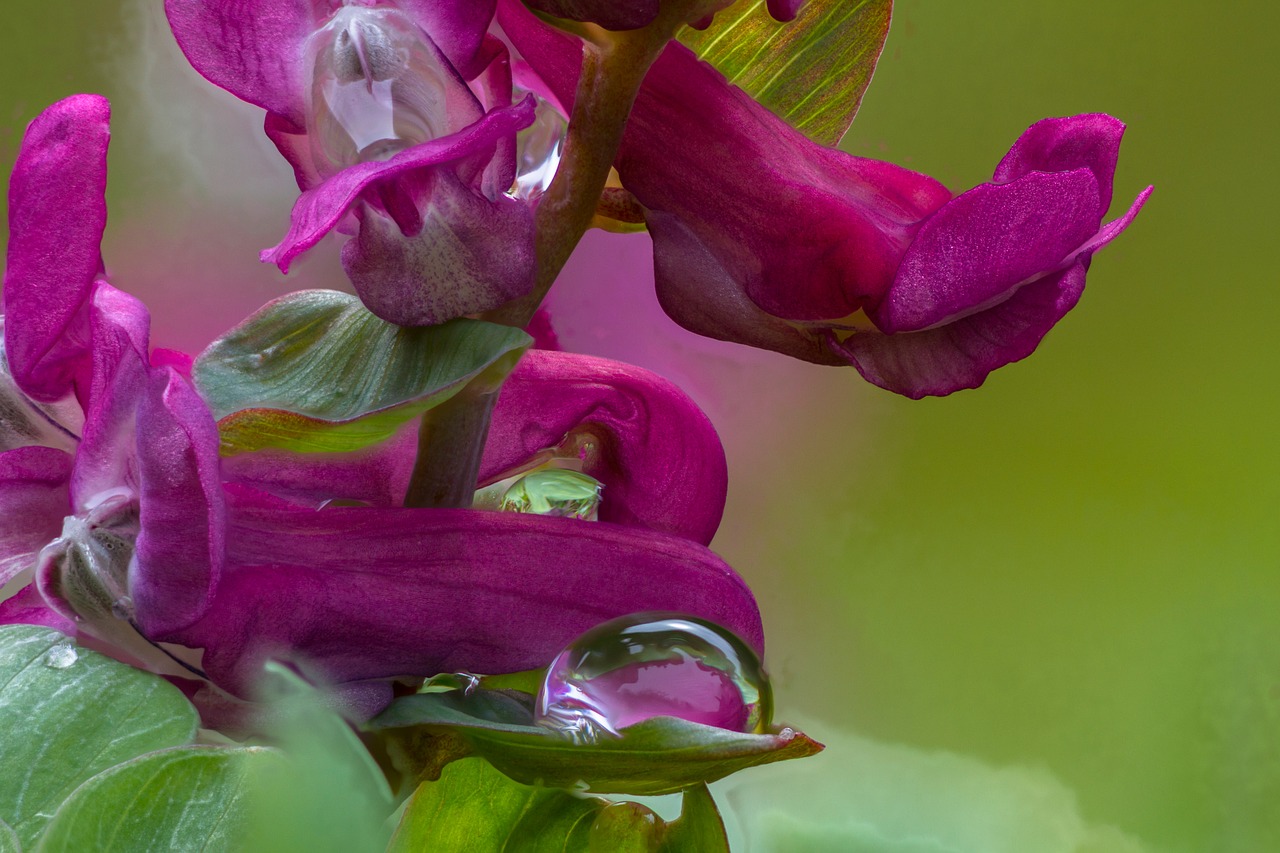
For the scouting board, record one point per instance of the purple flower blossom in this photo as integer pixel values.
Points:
(399, 124)
(100, 476)
(250, 569)
(765, 238)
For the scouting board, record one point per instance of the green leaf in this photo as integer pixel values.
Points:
(331, 794)
(662, 755)
(699, 829)
(184, 798)
(68, 713)
(9, 839)
(811, 72)
(474, 807)
(316, 372)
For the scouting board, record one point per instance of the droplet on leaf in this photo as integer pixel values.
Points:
(654, 665)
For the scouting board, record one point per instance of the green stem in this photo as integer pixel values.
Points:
(452, 437)
(450, 446)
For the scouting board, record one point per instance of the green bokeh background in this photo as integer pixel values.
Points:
(1072, 569)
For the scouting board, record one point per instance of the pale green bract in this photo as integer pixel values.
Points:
(315, 371)
(812, 71)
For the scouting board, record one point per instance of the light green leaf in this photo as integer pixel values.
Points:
(68, 713)
(331, 795)
(811, 72)
(474, 807)
(9, 839)
(627, 827)
(184, 798)
(662, 755)
(315, 371)
(699, 829)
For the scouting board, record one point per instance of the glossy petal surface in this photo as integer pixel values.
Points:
(355, 593)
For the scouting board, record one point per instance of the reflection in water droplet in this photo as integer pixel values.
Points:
(379, 86)
(538, 150)
(654, 665)
(60, 656)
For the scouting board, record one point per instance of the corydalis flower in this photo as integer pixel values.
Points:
(399, 123)
(131, 526)
(122, 470)
(765, 238)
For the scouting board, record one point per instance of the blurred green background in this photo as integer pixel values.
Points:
(1070, 574)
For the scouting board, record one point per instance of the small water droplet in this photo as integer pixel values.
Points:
(60, 656)
(654, 665)
(538, 149)
(122, 608)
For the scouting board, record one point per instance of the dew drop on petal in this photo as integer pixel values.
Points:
(60, 656)
(539, 148)
(380, 86)
(653, 665)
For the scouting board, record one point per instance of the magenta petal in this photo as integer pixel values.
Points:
(808, 234)
(610, 14)
(785, 10)
(28, 607)
(986, 242)
(319, 209)
(1063, 144)
(659, 457)
(182, 513)
(457, 27)
(362, 593)
(698, 291)
(251, 48)
(57, 211)
(34, 498)
(959, 355)
(105, 459)
(553, 53)
(471, 255)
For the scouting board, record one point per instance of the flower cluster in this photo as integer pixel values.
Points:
(276, 498)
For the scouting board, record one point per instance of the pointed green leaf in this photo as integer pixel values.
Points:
(812, 71)
(68, 713)
(316, 372)
(662, 755)
(185, 798)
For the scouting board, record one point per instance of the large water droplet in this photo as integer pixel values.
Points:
(538, 150)
(379, 86)
(61, 656)
(546, 490)
(654, 665)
